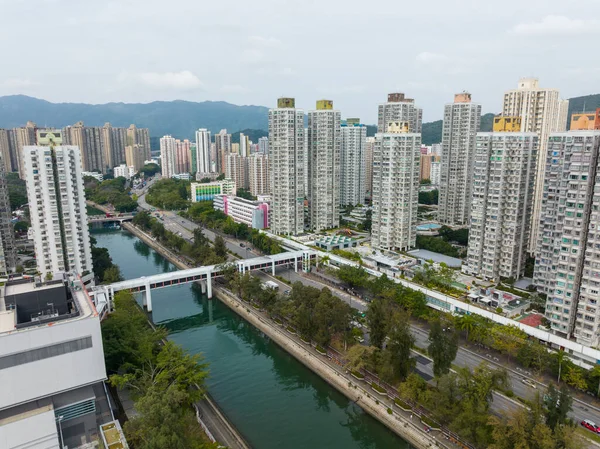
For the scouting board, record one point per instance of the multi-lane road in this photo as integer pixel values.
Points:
(465, 357)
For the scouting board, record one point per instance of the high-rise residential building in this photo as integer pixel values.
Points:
(134, 157)
(399, 109)
(502, 203)
(566, 264)
(57, 208)
(5, 151)
(167, 156)
(306, 178)
(244, 145)
(89, 141)
(263, 145)
(585, 121)
(222, 148)
(435, 173)
(436, 149)
(369, 146)
(286, 167)
(503, 123)
(124, 171)
(141, 138)
(542, 112)
(324, 165)
(396, 167)
(461, 124)
(114, 141)
(182, 156)
(426, 164)
(235, 148)
(203, 164)
(236, 168)
(258, 174)
(353, 163)
(22, 137)
(8, 254)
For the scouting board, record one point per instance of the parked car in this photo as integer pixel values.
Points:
(242, 245)
(287, 292)
(528, 382)
(359, 339)
(590, 425)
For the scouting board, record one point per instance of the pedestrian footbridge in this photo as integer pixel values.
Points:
(104, 294)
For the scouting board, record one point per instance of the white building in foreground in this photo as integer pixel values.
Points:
(124, 171)
(254, 214)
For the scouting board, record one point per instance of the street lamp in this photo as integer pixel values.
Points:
(62, 443)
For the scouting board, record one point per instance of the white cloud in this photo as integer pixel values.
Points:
(431, 58)
(557, 25)
(184, 80)
(234, 88)
(261, 41)
(17, 83)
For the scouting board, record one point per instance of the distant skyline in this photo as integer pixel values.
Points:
(351, 52)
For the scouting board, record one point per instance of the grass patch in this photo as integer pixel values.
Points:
(429, 422)
(278, 322)
(321, 350)
(524, 401)
(291, 330)
(588, 434)
(285, 281)
(305, 340)
(390, 412)
(378, 389)
(357, 375)
(403, 405)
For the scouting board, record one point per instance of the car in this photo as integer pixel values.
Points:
(242, 245)
(528, 382)
(590, 425)
(287, 292)
(359, 339)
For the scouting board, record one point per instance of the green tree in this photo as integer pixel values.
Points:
(595, 374)
(557, 405)
(466, 323)
(399, 346)
(353, 276)
(142, 220)
(111, 275)
(378, 314)
(21, 226)
(219, 247)
(443, 347)
(575, 378)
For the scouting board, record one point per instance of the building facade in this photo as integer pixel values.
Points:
(236, 168)
(206, 191)
(203, 164)
(542, 112)
(566, 266)
(263, 145)
(222, 148)
(396, 168)
(286, 167)
(182, 156)
(353, 163)
(585, 121)
(254, 214)
(369, 146)
(57, 208)
(124, 171)
(399, 109)
(461, 124)
(502, 204)
(8, 250)
(324, 164)
(258, 174)
(167, 156)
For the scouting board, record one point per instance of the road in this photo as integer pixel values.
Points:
(465, 358)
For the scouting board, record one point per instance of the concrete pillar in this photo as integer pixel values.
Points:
(273, 268)
(148, 298)
(295, 264)
(203, 287)
(209, 287)
(210, 311)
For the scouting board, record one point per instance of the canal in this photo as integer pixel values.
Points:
(272, 399)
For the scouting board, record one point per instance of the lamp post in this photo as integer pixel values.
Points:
(62, 443)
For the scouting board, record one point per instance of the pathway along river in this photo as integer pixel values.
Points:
(272, 399)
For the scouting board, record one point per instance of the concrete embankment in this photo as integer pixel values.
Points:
(366, 399)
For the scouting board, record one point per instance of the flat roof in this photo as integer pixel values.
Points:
(436, 257)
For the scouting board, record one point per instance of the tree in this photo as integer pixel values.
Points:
(399, 346)
(560, 358)
(21, 226)
(443, 347)
(111, 275)
(595, 374)
(466, 323)
(556, 406)
(353, 276)
(575, 378)
(219, 247)
(378, 320)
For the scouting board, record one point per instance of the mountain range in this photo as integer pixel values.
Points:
(181, 118)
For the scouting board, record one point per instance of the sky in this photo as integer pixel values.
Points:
(252, 52)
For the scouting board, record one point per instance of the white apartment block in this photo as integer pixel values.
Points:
(567, 265)
(369, 147)
(461, 125)
(353, 163)
(93, 174)
(286, 167)
(254, 214)
(124, 171)
(57, 209)
(51, 365)
(306, 179)
(258, 174)
(542, 112)
(168, 159)
(244, 145)
(435, 174)
(263, 145)
(399, 109)
(222, 149)
(236, 168)
(396, 168)
(502, 203)
(324, 164)
(203, 164)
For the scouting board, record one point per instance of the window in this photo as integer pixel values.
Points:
(45, 352)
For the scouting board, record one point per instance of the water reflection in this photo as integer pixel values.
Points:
(142, 249)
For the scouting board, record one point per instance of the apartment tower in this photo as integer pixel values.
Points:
(461, 125)
(369, 146)
(258, 174)
(324, 143)
(168, 156)
(542, 112)
(236, 168)
(353, 163)
(203, 164)
(222, 148)
(57, 208)
(396, 168)
(568, 245)
(501, 205)
(399, 109)
(286, 167)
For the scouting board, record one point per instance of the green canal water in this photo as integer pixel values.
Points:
(273, 400)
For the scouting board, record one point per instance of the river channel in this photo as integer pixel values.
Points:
(273, 400)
